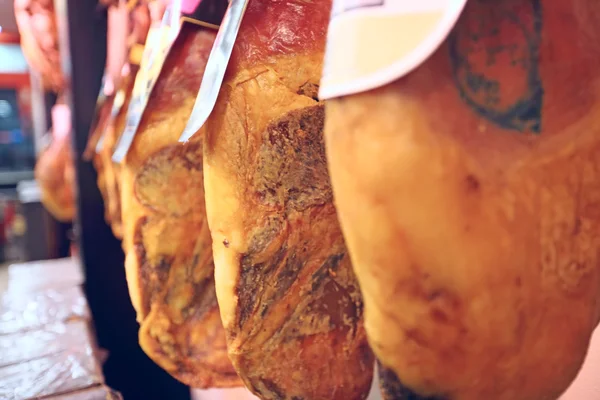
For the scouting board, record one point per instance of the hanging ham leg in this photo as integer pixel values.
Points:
(54, 169)
(36, 20)
(169, 260)
(289, 300)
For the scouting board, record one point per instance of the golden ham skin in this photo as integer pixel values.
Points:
(169, 265)
(54, 172)
(289, 301)
(109, 171)
(104, 129)
(469, 196)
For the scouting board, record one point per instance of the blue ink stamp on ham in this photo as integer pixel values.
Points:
(494, 55)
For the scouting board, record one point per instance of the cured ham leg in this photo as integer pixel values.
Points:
(112, 128)
(54, 169)
(169, 264)
(36, 20)
(289, 301)
(469, 195)
(108, 171)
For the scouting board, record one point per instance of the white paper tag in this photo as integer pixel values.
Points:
(371, 43)
(158, 43)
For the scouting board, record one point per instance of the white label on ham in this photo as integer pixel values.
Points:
(371, 43)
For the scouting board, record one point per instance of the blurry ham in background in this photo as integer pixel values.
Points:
(36, 20)
(54, 170)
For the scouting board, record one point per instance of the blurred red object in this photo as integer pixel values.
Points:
(9, 217)
(2, 232)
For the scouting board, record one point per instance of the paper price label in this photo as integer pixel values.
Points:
(371, 43)
(158, 43)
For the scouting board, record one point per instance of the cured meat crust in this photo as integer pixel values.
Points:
(169, 261)
(289, 301)
(109, 171)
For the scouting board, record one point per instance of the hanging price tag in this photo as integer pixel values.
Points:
(215, 68)
(371, 43)
(117, 100)
(205, 14)
(160, 38)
